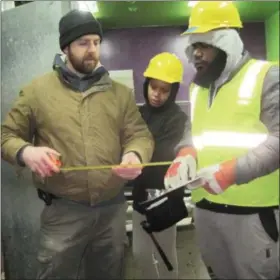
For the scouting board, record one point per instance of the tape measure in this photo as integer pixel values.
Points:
(100, 167)
(58, 163)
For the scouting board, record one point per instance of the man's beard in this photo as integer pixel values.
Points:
(84, 66)
(213, 72)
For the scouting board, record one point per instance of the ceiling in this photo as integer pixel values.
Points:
(129, 14)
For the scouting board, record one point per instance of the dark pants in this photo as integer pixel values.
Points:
(81, 242)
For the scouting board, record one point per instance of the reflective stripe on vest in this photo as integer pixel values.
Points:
(228, 139)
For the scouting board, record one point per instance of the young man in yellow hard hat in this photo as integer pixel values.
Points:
(167, 123)
(235, 126)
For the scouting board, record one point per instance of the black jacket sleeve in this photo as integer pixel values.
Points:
(165, 143)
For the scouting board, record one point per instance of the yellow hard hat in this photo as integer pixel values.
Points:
(166, 67)
(210, 15)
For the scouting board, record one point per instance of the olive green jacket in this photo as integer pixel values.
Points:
(95, 127)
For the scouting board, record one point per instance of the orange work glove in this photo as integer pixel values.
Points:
(182, 170)
(218, 178)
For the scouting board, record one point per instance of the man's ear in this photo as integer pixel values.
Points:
(66, 50)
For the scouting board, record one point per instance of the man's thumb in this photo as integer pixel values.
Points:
(52, 151)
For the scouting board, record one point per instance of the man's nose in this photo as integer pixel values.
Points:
(198, 53)
(92, 47)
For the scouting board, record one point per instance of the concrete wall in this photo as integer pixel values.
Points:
(29, 43)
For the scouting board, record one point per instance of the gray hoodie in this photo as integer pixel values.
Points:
(263, 159)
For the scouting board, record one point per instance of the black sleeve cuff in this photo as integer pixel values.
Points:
(20, 162)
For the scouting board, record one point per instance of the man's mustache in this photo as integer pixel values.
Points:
(90, 58)
(200, 61)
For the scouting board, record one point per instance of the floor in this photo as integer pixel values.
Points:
(190, 263)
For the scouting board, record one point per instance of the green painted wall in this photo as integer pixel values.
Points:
(272, 37)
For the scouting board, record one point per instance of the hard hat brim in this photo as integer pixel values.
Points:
(201, 29)
(207, 28)
(160, 77)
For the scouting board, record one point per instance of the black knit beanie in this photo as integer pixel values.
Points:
(76, 24)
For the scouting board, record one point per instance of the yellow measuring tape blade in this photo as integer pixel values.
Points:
(99, 167)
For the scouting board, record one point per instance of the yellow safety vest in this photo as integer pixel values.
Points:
(229, 129)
